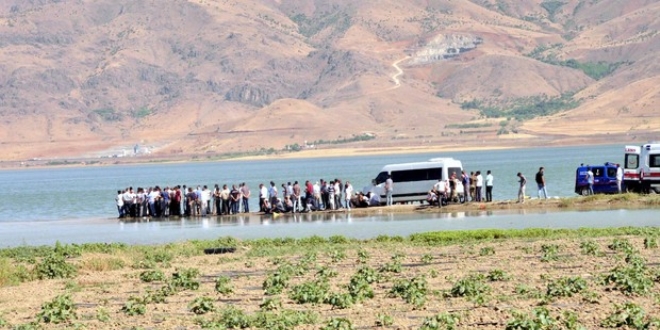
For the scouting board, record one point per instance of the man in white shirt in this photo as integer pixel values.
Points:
(120, 203)
(263, 198)
(348, 191)
(489, 186)
(480, 184)
(206, 200)
(619, 177)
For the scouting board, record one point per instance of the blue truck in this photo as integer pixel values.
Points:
(604, 179)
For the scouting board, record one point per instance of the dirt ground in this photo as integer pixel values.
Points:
(511, 276)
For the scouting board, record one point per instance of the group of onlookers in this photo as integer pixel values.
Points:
(182, 201)
(454, 188)
(201, 201)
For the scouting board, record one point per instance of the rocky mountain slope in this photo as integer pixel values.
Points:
(210, 77)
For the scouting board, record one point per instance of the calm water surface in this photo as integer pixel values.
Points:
(256, 226)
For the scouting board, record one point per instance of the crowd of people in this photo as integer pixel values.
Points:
(202, 201)
(321, 195)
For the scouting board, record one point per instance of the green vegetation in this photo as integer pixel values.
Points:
(595, 70)
(59, 310)
(629, 315)
(338, 21)
(524, 108)
(107, 114)
(469, 105)
(142, 112)
(333, 276)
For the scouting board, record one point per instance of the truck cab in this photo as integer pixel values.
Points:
(604, 179)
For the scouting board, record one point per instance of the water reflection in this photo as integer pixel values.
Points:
(354, 225)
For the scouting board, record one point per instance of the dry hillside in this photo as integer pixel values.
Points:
(83, 78)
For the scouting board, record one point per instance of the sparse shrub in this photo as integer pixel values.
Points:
(54, 266)
(446, 321)
(201, 305)
(363, 256)
(621, 245)
(271, 304)
(314, 292)
(185, 279)
(629, 315)
(566, 286)
(540, 319)
(590, 248)
(469, 286)
(650, 243)
(486, 251)
(61, 309)
(550, 252)
(134, 306)
(275, 283)
(338, 323)
(152, 275)
(427, 258)
(326, 272)
(413, 291)
(629, 280)
(339, 300)
(223, 285)
(384, 320)
(496, 275)
(337, 256)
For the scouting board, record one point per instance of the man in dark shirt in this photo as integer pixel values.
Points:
(540, 181)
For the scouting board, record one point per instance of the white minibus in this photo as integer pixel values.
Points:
(412, 181)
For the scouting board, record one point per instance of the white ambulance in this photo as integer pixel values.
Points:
(641, 172)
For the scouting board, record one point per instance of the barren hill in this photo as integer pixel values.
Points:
(83, 78)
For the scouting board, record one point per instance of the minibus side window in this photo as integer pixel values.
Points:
(382, 176)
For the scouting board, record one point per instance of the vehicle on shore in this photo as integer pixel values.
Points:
(412, 181)
(604, 179)
(642, 168)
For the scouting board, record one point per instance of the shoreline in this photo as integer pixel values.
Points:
(74, 162)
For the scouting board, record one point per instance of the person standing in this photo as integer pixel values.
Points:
(473, 186)
(119, 200)
(590, 180)
(234, 199)
(348, 193)
(263, 198)
(489, 186)
(466, 186)
(296, 197)
(389, 188)
(619, 178)
(217, 200)
(245, 192)
(479, 186)
(521, 189)
(540, 182)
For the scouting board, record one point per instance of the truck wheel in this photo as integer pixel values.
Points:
(585, 191)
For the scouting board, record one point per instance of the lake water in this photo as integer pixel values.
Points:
(80, 200)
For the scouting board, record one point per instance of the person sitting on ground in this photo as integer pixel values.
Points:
(288, 204)
(432, 197)
(374, 199)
